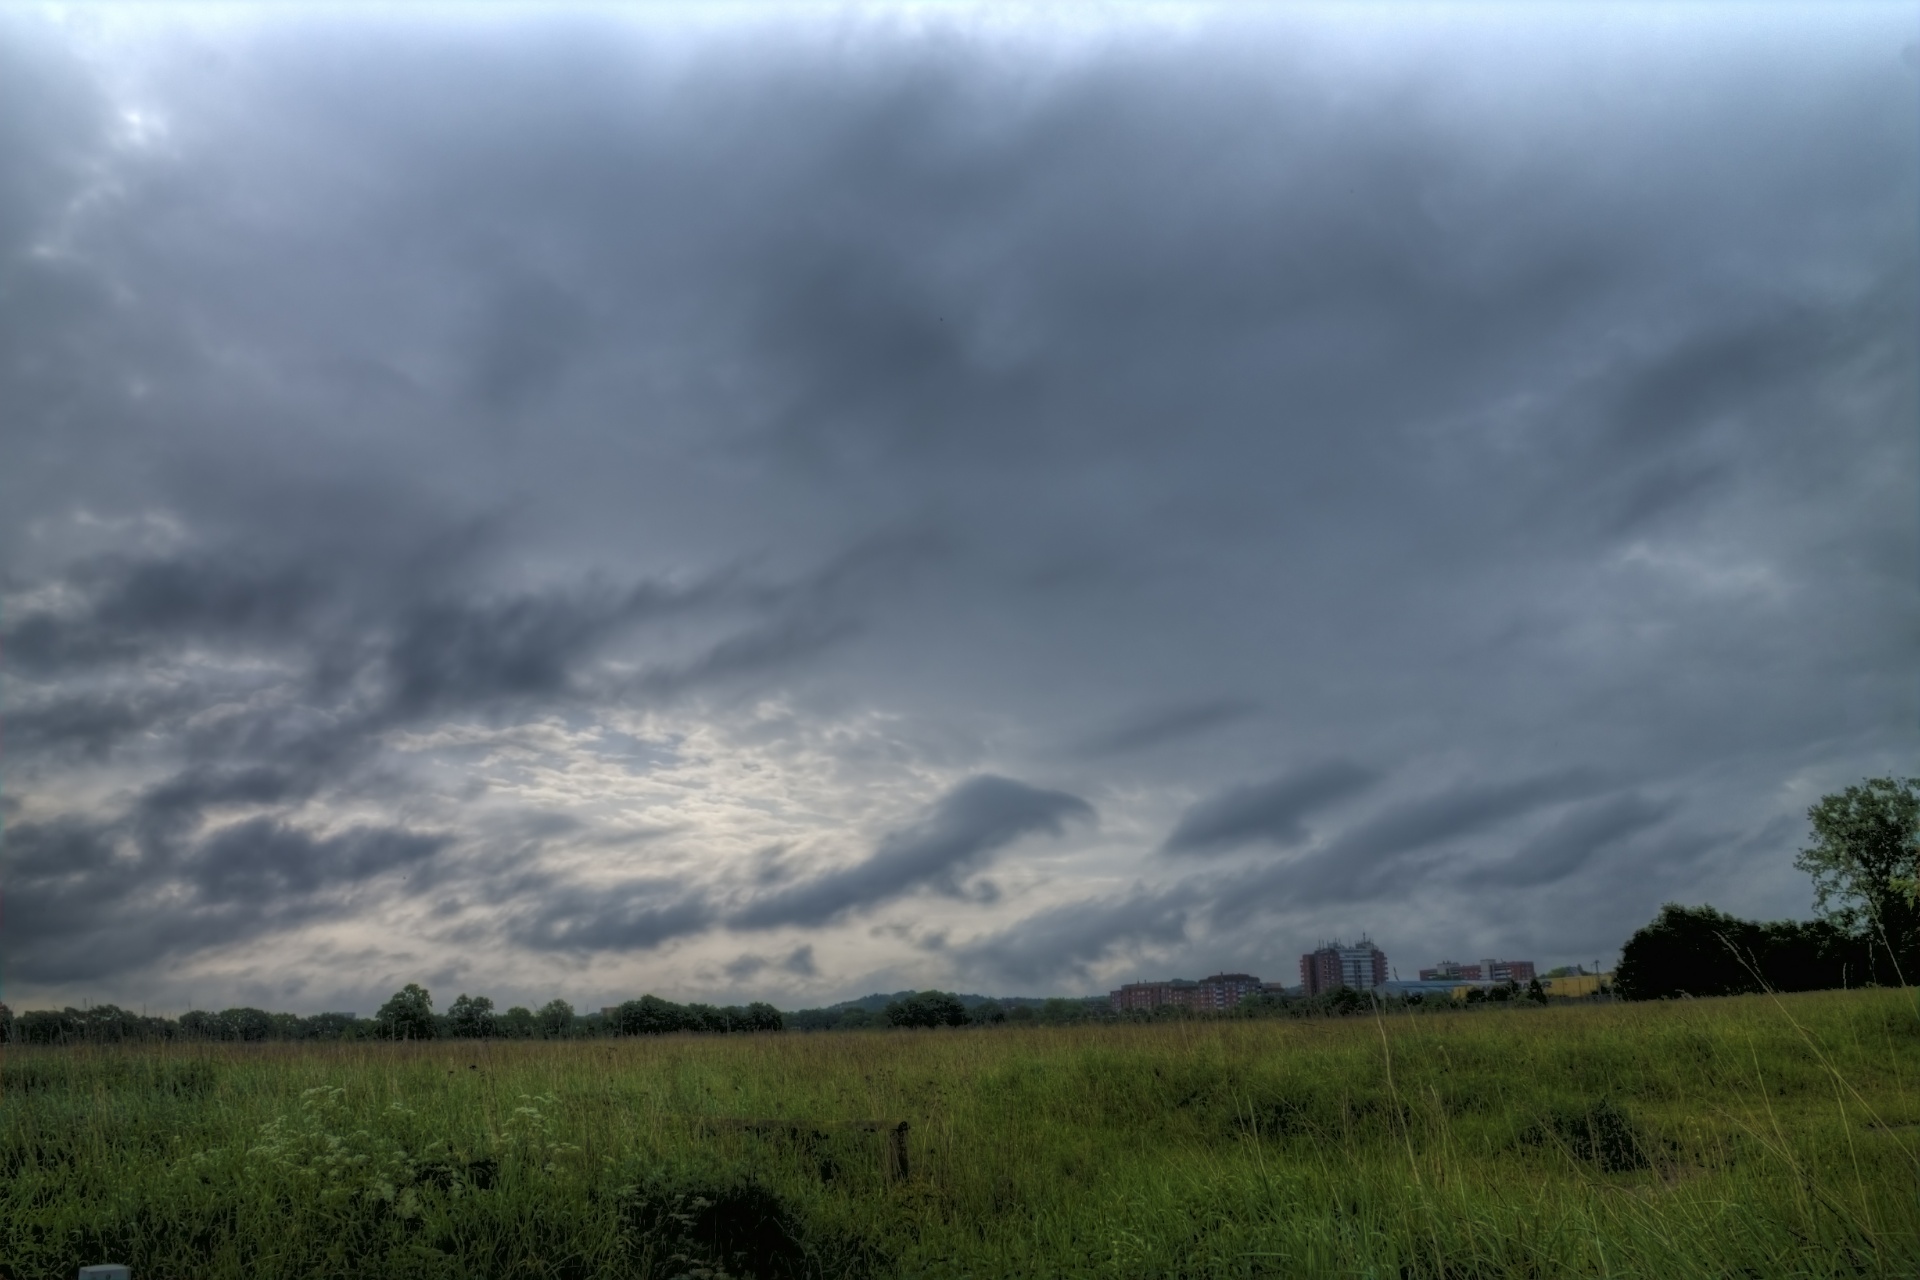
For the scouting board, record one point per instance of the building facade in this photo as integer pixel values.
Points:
(1520, 971)
(1213, 994)
(1361, 966)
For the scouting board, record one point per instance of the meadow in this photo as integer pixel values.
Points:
(1746, 1136)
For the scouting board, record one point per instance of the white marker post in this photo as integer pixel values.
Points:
(106, 1271)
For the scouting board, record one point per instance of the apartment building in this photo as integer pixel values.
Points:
(1490, 971)
(1361, 966)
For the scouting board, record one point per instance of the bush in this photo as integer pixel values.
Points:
(1699, 951)
(927, 1009)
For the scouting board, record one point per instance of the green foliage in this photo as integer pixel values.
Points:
(1699, 951)
(927, 1009)
(1864, 860)
(556, 1020)
(517, 1023)
(1741, 1137)
(1597, 1133)
(407, 1016)
(652, 1016)
(471, 1017)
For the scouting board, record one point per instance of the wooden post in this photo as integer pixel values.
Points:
(897, 1153)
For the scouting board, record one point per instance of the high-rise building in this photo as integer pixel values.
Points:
(1361, 966)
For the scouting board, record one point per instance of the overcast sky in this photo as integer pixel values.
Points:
(793, 503)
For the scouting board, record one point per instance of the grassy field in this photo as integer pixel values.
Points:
(1746, 1137)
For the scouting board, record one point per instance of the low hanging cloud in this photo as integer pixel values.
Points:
(1074, 939)
(970, 824)
(1575, 838)
(96, 900)
(1367, 858)
(1271, 812)
(1170, 724)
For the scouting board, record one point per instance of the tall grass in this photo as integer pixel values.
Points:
(1754, 1136)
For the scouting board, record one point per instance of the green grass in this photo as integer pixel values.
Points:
(1748, 1136)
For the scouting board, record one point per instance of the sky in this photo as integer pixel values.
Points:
(777, 503)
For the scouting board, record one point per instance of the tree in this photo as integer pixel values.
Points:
(1864, 859)
(1698, 951)
(515, 1024)
(987, 1013)
(471, 1017)
(651, 1016)
(761, 1016)
(245, 1023)
(556, 1019)
(331, 1026)
(927, 1009)
(407, 1016)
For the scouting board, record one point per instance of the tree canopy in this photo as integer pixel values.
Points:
(408, 1015)
(1865, 860)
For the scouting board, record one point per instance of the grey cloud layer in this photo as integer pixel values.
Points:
(977, 819)
(1526, 439)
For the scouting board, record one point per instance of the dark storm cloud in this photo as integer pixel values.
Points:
(969, 824)
(1498, 405)
(1378, 855)
(636, 914)
(1270, 812)
(1067, 941)
(93, 899)
(133, 608)
(1169, 725)
(1571, 841)
(63, 727)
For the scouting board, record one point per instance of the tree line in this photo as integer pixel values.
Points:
(408, 1015)
(1865, 865)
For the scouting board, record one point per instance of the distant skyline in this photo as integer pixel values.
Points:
(802, 502)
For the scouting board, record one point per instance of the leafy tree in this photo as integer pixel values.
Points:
(515, 1024)
(987, 1013)
(471, 1017)
(245, 1023)
(651, 1016)
(1536, 992)
(332, 1026)
(761, 1016)
(1699, 951)
(927, 1009)
(6, 1025)
(556, 1019)
(46, 1026)
(1865, 860)
(407, 1016)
